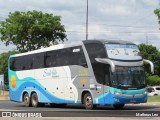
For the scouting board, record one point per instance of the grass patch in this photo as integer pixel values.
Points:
(4, 92)
(154, 98)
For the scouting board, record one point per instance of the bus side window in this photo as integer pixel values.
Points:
(12, 64)
(83, 62)
(47, 59)
(107, 74)
(38, 61)
(106, 79)
(77, 57)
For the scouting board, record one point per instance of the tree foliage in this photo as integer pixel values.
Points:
(32, 30)
(151, 53)
(153, 80)
(4, 64)
(157, 12)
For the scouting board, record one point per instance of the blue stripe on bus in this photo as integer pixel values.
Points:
(110, 98)
(30, 84)
(44, 95)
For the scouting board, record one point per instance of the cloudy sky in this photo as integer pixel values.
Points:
(131, 20)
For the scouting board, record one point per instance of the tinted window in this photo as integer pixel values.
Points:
(157, 88)
(101, 71)
(50, 58)
(65, 57)
(38, 60)
(26, 62)
(12, 64)
(77, 57)
(21, 63)
(62, 57)
(95, 50)
(150, 90)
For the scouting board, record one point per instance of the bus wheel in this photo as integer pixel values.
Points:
(26, 100)
(34, 100)
(118, 106)
(88, 101)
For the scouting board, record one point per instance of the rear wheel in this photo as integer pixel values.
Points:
(118, 106)
(26, 100)
(88, 101)
(34, 100)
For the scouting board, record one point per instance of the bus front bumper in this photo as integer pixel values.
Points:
(125, 98)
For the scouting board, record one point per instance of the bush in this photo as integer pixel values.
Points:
(153, 80)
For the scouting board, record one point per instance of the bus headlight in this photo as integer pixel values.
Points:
(112, 92)
(116, 99)
(117, 93)
(145, 92)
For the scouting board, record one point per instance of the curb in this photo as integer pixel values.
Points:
(4, 97)
(149, 103)
(153, 103)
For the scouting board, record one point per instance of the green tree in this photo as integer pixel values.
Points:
(32, 30)
(157, 12)
(151, 53)
(4, 64)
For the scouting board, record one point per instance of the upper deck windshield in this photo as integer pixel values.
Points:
(128, 77)
(123, 51)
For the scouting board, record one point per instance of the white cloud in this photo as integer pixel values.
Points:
(108, 19)
(113, 9)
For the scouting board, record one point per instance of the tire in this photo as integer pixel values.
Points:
(27, 100)
(118, 106)
(34, 100)
(88, 101)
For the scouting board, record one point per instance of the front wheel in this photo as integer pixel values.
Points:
(88, 101)
(118, 106)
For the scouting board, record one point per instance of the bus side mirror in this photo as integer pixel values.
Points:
(151, 65)
(106, 61)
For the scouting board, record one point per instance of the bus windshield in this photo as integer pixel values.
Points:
(123, 52)
(128, 77)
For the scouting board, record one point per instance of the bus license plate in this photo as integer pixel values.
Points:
(133, 101)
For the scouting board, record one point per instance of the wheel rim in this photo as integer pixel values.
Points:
(88, 101)
(26, 99)
(34, 100)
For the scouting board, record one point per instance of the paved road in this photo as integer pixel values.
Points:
(10, 105)
(78, 110)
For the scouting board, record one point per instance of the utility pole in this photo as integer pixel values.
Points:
(87, 22)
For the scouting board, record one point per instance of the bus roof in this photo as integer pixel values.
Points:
(109, 41)
(72, 44)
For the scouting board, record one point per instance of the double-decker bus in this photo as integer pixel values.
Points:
(90, 72)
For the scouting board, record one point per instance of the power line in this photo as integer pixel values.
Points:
(134, 32)
(127, 26)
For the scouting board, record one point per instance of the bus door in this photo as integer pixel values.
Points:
(101, 72)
